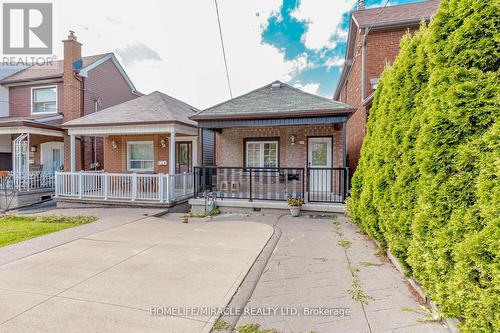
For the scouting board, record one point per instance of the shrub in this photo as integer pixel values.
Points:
(427, 185)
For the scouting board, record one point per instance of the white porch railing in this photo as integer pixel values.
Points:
(124, 186)
(25, 181)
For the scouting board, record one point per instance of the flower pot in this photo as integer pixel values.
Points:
(295, 211)
(184, 219)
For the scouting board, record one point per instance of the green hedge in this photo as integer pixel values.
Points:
(427, 185)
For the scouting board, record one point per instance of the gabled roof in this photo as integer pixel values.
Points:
(276, 99)
(47, 71)
(389, 17)
(153, 108)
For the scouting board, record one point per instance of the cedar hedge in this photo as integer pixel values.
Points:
(427, 185)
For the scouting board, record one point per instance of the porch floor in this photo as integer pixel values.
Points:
(228, 205)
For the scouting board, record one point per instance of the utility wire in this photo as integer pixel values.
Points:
(223, 49)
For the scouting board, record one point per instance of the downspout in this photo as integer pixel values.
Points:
(363, 66)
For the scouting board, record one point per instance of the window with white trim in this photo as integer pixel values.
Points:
(140, 156)
(262, 154)
(44, 100)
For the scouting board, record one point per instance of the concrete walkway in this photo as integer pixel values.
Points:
(309, 269)
(108, 219)
(109, 280)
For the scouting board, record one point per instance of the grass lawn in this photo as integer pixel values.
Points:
(14, 228)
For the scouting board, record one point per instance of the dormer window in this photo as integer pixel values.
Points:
(44, 100)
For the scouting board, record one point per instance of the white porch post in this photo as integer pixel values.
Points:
(171, 154)
(195, 152)
(72, 149)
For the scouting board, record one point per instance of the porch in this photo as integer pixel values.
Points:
(30, 153)
(314, 185)
(120, 188)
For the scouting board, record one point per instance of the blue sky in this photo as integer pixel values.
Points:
(174, 46)
(286, 31)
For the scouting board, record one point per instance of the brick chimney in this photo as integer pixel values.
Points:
(72, 84)
(72, 94)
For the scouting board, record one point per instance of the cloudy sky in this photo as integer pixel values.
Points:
(173, 45)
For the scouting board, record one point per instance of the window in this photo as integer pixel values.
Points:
(44, 100)
(262, 154)
(140, 156)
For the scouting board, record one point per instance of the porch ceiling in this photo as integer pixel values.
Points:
(133, 129)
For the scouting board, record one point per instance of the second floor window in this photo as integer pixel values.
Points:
(44, 100)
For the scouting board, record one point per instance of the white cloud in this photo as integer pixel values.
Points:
(335, 61)
(308, 87)
(323, 18)
(185, 36)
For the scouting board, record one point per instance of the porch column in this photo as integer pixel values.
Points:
(72, 150)
(195, 152)
(171, 154)
(344, 144)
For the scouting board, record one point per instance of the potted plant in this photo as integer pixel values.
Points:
(295, 204)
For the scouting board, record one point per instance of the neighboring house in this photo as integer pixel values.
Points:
(5, 139)
(41, 98)
(373, 41)
(273, 143)
(150, 150)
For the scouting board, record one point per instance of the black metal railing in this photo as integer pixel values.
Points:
(249, 183)
(327, 184)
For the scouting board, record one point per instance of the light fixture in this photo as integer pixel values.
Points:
(113, 144)
(163, 143)
(33, 149)
(293, 138)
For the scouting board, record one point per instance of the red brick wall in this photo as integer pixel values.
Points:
(382, 47)
(20, 99)
(115, 159)
(105, 84)
(229, 144)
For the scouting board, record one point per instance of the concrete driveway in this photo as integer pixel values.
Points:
(109, 280)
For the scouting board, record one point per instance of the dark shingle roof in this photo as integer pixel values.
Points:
(6, 71)
(273, 100)
(390, 15)
(54, 69)
(148, 109)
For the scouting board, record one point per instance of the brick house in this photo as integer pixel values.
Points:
(373, 41)
(40, 98)
(150, 150)
(276, 142)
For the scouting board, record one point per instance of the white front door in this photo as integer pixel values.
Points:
(52, 155)
(319, 161)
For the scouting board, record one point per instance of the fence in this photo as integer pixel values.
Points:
(313, 184)
(124, 186)
(327, 184)
(23, 181)
(250, 183)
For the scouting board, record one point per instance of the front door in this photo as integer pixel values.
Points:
(319, 162)
(184, 157)
(52, 156)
